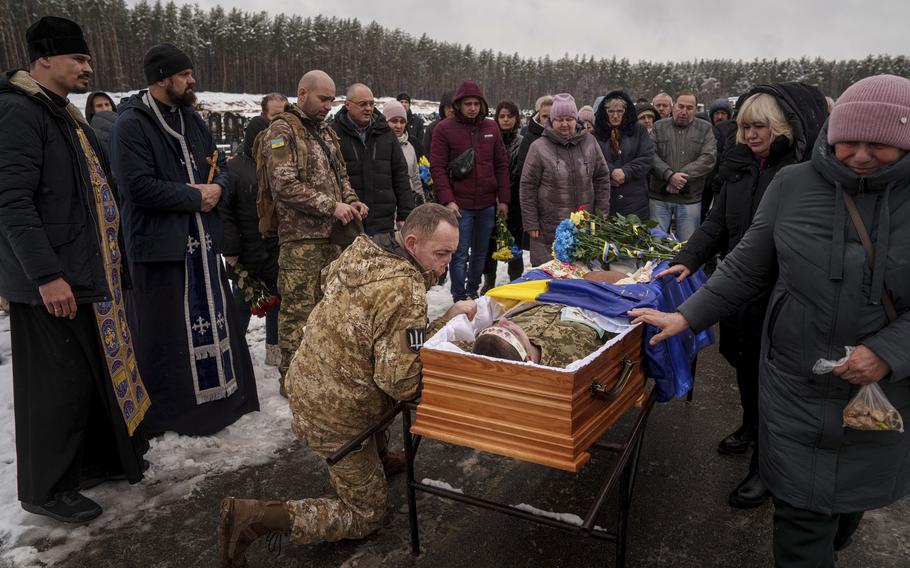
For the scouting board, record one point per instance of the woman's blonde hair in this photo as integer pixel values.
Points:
(763, 108)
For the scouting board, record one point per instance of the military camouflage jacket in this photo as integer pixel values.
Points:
(360, 348)
(303, 184)
(559, 334)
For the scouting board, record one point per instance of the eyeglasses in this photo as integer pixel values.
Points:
(364, 104)
(615, 111)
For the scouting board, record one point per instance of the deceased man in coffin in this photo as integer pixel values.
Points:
(552, 335)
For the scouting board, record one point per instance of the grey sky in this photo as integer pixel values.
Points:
(640, 29)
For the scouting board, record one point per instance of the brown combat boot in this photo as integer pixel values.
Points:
(243, 521)
(393, 463)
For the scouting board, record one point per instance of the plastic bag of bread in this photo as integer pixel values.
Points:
(870, 409)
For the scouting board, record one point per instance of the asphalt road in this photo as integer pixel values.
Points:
(679, 515)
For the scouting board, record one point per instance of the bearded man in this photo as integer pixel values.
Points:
(191, 351)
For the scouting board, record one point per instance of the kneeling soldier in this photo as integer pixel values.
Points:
(358, 355)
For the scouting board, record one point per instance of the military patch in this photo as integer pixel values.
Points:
(414, 338)
(279, 148)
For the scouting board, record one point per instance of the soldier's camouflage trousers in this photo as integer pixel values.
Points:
(361, 503)
(300, 264)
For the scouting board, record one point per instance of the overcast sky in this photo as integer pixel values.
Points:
(637, 29)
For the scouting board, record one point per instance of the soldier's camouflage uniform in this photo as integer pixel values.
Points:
(305, 191)
(561, 339)
(358, 355)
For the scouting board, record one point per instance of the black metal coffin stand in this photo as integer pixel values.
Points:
(621, 476)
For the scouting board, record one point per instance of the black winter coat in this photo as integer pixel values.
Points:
(241, 221)
(378, 172)
(415, 126)
(157, 203)
(48, 220)
(729, 219)
(103, 125)
(635, 158)
(824, 297)
(742, 185)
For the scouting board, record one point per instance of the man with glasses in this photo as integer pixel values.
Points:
(375, 163)
(472, 189)
(311, 192)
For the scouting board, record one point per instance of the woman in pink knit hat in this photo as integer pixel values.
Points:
(564, 169)
(830, 240)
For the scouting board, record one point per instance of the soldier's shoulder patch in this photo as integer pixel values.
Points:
(277, 143)
(414, 337)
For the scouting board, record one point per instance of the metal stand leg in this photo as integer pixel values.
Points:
(409, 453)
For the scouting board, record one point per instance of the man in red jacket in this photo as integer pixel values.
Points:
(472, 195)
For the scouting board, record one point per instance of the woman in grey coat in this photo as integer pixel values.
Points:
(564, 170)
(829, 294)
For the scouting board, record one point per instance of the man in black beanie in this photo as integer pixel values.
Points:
(78, 397)
(192, 351)
(415, 123)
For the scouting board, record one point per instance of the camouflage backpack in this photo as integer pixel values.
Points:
(265, 198)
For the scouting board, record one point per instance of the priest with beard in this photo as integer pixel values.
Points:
(191, 352)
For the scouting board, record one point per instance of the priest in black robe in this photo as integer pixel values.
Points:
(192, 354)
(78, 395)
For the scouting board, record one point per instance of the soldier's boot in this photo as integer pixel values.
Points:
(393, 463)
(272, 355)
(243, 521)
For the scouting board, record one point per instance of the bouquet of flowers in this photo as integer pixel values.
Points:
(255, 293)
(506, 249)
(587, 236)
(423, 168)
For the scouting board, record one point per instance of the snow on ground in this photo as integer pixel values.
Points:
(248, 105)
(179, 464)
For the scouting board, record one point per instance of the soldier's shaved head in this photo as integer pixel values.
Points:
(315, 94)
(312, 79)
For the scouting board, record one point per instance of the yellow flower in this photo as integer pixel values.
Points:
(578, 217)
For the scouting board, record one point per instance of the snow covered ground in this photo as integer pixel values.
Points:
(179, 464)
(248, 104)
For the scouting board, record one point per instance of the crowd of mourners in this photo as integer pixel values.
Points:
(133, 254)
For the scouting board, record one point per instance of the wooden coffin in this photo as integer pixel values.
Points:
(532, 413)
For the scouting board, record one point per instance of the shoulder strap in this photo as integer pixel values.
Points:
(857, 219)
(333, 161)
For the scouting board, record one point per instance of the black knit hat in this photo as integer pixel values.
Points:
(54, 36)
(403, 97)
(163, 60)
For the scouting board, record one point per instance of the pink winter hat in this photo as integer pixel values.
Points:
(563, 105)
(394, 109)
(875, 109)
(586, 114)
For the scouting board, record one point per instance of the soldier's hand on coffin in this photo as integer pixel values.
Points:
(360, 209)
(678, 270)
(211, 193)
(58, 298)
(466, 307)
(344, 212)
(670, 324)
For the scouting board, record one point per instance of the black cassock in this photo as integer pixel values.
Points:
(68, 423)
(160, 338)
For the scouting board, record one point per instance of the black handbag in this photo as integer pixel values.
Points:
(463, 164)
